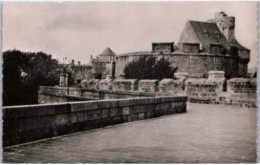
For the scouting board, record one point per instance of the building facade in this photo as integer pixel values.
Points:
(203, 46)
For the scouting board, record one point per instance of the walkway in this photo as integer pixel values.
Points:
(205, 134)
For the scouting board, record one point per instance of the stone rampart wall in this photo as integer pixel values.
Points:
(204, 90)
(236, 91)
(148, 86)
(106, 84)
(125, 84)
(172, 86)
(29, 123)
(195, 64)
(49, 94)
(241, 92)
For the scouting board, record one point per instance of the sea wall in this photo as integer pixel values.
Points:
(34, 122)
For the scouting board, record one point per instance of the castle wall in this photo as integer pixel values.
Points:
(196, 65)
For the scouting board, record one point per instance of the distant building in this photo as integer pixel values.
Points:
(99, 67)
(103, 64)
(81, 71)
(202, 47)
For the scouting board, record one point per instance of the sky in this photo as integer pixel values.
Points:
(78, 29)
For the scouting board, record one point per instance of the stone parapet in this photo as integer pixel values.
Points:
(90, 83)
(242, 92)
(181, 75)
(148, 85)
(216, 74)
(204, 90)
(106, 84)
(172, 86)
(125, 85)
(34, 122)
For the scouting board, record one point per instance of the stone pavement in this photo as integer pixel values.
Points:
(205, 134)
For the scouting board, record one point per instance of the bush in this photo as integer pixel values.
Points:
(23, 72)
(148, 67)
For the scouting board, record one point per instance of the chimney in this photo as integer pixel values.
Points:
(72, 62)
(226, 25)
(78, 62)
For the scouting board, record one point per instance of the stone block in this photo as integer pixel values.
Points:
(126, 110)
(77, 107)
(216, 74)
(79, 116)
(105, 113)
(61, 108)
(125, 85)
(73, 118)
(114, 103)
(62, 119)
(181, 75)
(125, 102)
(148, 85)
(157, 107)
(41, 110)
(15, 112)
(132, 117)
(137, 109)
(94, 115)
(149, 114)
(117, 120)
(141, 116)
(116, 112)
(91, 105)
(103, 104)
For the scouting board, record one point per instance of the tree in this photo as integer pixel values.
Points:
(23, 72)
(149, 68)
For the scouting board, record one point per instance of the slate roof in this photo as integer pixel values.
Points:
(209, 33)
(107, 52)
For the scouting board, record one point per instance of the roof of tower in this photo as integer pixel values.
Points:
(208, 32)
(107, 52)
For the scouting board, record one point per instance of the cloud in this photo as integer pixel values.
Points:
(79, 29)
(76, 21)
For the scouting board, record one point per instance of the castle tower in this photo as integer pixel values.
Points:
(226, 25)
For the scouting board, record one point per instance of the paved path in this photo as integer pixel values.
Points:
(205, 134)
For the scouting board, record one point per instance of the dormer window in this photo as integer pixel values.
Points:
(215, 49)
(191, 47)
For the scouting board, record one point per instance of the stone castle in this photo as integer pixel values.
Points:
(202, 47)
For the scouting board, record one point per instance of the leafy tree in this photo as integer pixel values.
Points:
(149, 68)
(23, 72)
